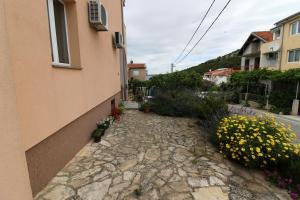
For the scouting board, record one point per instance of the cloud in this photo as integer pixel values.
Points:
(158, 30)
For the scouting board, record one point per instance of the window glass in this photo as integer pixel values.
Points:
(276, 35)
(294, 28)
(291, 56)
(61, 31)
(136, 72)
(297, 55)
(298, 27)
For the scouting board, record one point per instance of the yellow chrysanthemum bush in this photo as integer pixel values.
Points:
(256, 141)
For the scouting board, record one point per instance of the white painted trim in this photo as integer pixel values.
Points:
(54, 36)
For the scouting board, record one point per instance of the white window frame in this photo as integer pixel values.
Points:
(297, 28)
(54, 36)
(288, 57)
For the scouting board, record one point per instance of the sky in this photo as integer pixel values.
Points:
(158, 30)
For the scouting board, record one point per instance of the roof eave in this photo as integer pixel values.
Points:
(283, 21)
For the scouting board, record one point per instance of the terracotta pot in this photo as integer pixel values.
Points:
(97, 139)
(147, 110)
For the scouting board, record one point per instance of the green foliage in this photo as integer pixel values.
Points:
(135, 83)
(283, 87)
(291, 168)
(281, 101)
(101, 128)
(121, 107)
(177, 80)
(244, 77)
(186, 103)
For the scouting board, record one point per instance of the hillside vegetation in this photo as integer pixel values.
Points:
(230, 60)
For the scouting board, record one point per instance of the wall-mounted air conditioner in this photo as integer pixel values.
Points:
(98, 16)
(119, 42)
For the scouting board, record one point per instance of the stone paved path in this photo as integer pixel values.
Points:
(150, 157)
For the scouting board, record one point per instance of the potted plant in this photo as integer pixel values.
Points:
(145, 107)
(116, 113)
(97, 134)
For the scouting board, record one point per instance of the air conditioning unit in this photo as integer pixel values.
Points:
(119, 42)
(98, 16)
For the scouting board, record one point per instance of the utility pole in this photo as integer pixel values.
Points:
(172, 68)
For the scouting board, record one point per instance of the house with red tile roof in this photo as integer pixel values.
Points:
(221, 75)
(251, 49)
(137, 71)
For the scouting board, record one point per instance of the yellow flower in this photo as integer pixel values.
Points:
(257, 149)
(253, 156)
(227, 146)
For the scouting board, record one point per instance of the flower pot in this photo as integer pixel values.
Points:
(147, 110)
(103, 132)
(97, 139)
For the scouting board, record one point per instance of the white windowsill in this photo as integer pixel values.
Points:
(65, 66)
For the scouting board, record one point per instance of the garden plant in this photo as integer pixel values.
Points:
(262, 142)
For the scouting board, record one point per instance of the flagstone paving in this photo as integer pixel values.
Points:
(149, 157)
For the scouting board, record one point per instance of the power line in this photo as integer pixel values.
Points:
(196, 30)
(205, 32)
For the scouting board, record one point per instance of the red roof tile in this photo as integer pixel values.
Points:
(266, 35)
(137, 66)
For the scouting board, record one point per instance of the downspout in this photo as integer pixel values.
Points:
(281, 49)
(124, 57)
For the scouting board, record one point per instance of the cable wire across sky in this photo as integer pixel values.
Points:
(204, 33)
(211, 5)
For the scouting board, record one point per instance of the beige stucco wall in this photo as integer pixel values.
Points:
(49, 98)
(289, 42)
(14, 181)
(142, 75)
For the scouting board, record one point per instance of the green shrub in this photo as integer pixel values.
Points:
(186, 103)
(177, 80)
(178, 103)
(282, 101)
(291, 168)
(256, 141)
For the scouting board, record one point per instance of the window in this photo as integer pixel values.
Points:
(276, 34)
(295, 28)
(58, 32)
(294, 55)
(247, 64)
(135, 72)
(273, 56)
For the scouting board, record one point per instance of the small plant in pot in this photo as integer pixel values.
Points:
(97, 134)
(101, 128)
(145, 107)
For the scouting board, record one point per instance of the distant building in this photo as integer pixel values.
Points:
(283, 52)
(137, 71)
(220, 76)
(278, 49)
(251, 50)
